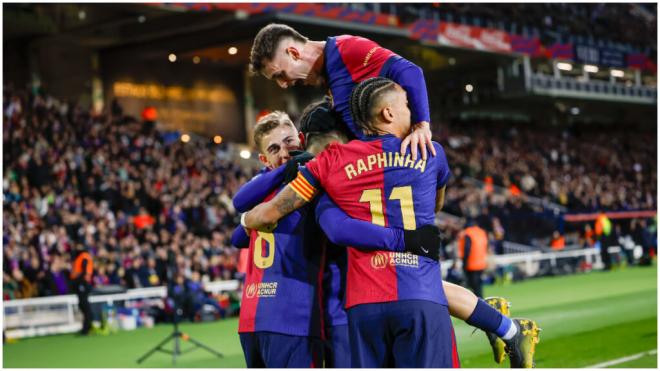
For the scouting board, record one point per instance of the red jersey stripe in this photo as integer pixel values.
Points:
(250, 300)
(455, 362)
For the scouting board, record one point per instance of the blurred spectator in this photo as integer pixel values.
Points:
(498, 236)
(113, 185)
(629, 23)
(584, 171)
(200, 298)
(604, 233)
(557, 242)
(24, 288)
(81, 276)
(588, 236)
(473, 250)
(56, 279)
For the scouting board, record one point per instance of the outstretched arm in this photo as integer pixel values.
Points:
(343, 230)
(253, 192)
(264, 216)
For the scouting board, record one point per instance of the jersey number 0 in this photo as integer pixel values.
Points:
(261, 261)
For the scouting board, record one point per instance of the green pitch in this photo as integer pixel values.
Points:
(586, 319)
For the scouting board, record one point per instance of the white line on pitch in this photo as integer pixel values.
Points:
(623, 359)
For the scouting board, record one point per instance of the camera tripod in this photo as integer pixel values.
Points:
(177, 336)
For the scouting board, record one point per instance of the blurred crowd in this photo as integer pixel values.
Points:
(628, 23)
(517, 173)
(130, 194)
(116, 186)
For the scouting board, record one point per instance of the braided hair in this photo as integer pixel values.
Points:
(364, 98)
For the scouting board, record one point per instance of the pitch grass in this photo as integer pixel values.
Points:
(586, 319)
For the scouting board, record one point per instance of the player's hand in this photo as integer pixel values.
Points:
(268, 228)
(420, 137)
(265, 228)
(297, 158)
(424, 241)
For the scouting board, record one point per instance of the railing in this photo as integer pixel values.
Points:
(58, 314)
(528, 260)
(517, 248)
(592, 89)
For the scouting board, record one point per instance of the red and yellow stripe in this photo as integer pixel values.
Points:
(301, 186)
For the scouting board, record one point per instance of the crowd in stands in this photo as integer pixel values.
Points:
(632, 25)
(116, 186)
(128, 194)
(498, 166)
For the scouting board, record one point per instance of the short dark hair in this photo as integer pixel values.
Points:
(266, 41)
(319, 119)
(267, 123)
(363, 99)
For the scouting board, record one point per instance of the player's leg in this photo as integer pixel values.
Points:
(289, 351)
(465, 305)
(522, 346)
(496, 343)
(338, 352)
(492, 319)
(250, 345)
(423, 335)
(368, 336)
(518, 336)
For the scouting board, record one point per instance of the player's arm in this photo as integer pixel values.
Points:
(264, 216)
(343, 230)
(411, 78)
(440, 199)
(253, 192)
(240, 238)
(295, 195)
(444, 173)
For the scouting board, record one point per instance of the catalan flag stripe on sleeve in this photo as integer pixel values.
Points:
(303, 188)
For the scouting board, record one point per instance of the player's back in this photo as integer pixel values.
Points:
(282, 279)
(348, 61)
(372, 181)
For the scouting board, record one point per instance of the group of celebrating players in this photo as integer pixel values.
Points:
(344, 264)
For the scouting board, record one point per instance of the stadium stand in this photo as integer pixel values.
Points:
(114, 185)
(581, 170)
(125, 190)
(551, 22)
(65, 185)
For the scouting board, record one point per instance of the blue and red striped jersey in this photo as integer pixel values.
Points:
(283, 282)
(372, 181)
(350, 60)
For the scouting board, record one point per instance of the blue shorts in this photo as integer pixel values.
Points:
(408, 333)
(337, 350)
(273, 350)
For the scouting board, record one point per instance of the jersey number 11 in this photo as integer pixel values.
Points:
(375, 199)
